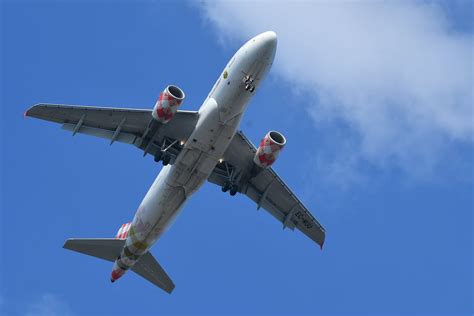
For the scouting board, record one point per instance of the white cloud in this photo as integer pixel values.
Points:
(48, 304)
(395, 73)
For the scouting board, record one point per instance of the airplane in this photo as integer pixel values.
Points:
(193, 146)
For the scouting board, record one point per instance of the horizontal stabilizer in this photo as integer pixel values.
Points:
(103, 248)
(109, 249)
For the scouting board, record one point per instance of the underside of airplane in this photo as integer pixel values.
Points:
(193, 146)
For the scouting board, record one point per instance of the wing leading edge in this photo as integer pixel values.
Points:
(266, 189)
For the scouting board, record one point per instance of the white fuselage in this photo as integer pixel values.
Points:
(219, 118)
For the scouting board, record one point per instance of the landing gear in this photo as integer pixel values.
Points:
(248, 80)
(158, 156)
(231, 184)
(166, 160)
(233, 190)
(226, 187)
(163, 154)
(164, 157)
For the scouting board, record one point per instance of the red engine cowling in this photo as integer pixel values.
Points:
(167, 104)
(269, 148)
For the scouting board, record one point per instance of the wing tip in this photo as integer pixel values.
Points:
(28, 112)
(321, 243)
(170, 289)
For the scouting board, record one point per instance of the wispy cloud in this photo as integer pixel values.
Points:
(395, 74)
(48, 304)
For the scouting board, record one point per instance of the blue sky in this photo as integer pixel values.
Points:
(392, 183)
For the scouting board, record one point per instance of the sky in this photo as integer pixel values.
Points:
(375, 100)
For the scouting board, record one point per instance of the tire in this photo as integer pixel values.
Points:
(158, 156)
(226, 187)
(233, 190)
(252, 89)
(166, 160)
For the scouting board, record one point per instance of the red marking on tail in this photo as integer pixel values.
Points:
(123, 231)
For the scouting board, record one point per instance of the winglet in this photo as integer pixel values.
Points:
(27, 112)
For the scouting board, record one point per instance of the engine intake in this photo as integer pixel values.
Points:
(269, 149)
(167, 104)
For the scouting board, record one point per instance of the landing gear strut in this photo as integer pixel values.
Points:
(231, 183)
(163, 153)
(248, 80)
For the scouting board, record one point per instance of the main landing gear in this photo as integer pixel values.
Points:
(232, 188)
(231, 180)
(164, 157)
(163, 153)
(248, 80)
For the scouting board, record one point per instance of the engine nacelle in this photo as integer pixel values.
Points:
(167, 104)
(269, 148)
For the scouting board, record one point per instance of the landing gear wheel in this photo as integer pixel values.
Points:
(158, 156)
(233, 190)
(252, 89)
(166, 160)
(247, 86)
(226, 187)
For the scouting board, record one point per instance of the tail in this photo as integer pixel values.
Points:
(109, 249)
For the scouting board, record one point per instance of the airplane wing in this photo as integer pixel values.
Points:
(265, 188)
(132, 126)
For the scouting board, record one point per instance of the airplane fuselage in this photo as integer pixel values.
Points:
(219, 118)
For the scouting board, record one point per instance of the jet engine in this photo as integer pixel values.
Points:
(167, 104)
(269, 148)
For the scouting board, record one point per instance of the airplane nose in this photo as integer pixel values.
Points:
(266, 45)
(269, 37)
(269, 40)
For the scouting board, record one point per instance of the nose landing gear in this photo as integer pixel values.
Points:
(248, 80)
